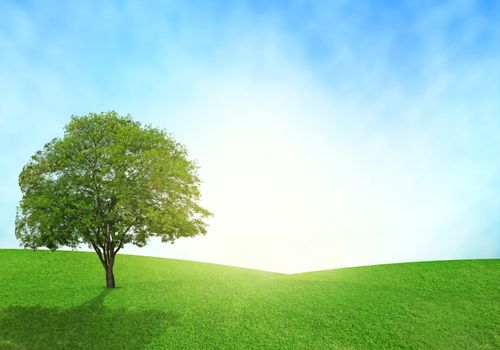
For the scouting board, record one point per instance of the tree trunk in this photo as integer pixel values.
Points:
(110, 277)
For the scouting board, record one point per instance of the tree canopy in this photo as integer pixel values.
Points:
(109, 181)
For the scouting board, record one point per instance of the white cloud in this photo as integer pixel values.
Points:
(308, 162)
(298, 180)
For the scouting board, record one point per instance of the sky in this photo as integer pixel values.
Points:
(328, 133)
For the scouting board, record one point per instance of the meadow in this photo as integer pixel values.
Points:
(57, 300)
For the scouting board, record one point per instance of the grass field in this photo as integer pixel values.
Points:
(57, 301)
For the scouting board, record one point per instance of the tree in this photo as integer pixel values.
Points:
(109, 181)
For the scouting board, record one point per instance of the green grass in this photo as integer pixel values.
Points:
(57, 301)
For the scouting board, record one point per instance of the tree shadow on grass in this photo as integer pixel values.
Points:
(88, 326)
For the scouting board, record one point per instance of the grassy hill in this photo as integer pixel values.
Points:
(57, 301)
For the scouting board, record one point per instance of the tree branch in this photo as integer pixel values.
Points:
(118, 248)
(99, 254)
(122, 237)
(102, 246)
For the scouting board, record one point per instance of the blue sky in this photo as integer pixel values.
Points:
(328, 133)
